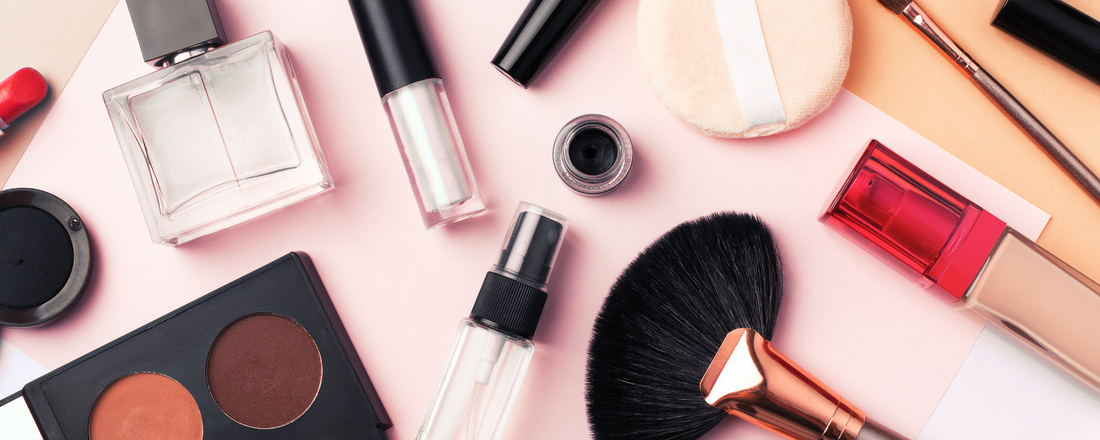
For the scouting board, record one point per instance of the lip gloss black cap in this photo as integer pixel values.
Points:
(394, 44)
(538, 35)
(1065, 33)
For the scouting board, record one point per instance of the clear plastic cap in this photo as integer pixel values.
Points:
(532, 245)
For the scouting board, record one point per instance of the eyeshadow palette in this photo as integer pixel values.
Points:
(264, 357)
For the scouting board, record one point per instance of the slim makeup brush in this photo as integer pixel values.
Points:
(20, 92)
(682, 340)
(912, 12)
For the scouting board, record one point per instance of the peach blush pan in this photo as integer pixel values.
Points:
(145, 405)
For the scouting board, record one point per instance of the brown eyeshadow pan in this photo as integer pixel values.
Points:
(264, 371)
(143, 406)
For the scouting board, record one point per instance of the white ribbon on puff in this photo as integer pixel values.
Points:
(749, 65)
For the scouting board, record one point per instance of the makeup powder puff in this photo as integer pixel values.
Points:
(741, 68)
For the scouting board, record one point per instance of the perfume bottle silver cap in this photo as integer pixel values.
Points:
(166, 28)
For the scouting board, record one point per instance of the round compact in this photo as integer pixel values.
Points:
(742, 68)
(45, 257)
(593, 154)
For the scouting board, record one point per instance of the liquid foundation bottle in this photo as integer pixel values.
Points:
(220, 134)
(945, 242)
(420, 116)
(493, 347)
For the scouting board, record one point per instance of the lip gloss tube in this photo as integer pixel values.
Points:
(945, 242)
(420, 116)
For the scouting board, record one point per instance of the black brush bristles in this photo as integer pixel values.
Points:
(895, 6)
(666, 317)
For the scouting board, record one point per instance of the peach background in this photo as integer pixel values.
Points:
(51, 36)
(401, 292)
(897, 71)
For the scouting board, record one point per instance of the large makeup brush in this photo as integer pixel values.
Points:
(915, 15)
(681, 341)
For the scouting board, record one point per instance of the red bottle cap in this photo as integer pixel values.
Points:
(907, 218)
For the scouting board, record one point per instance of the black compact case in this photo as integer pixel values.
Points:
(178, 344)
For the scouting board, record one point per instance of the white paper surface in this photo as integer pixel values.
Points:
(1003, 393)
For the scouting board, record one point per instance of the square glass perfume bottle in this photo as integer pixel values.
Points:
(218, 135)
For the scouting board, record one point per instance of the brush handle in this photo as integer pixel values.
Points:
(1038, 133)
(873, 430)
(1007, 103)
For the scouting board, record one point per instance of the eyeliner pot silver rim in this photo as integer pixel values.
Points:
(593, 154)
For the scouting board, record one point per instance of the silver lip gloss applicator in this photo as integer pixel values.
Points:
(420, 116)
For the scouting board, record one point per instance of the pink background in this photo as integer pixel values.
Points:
(863, 329)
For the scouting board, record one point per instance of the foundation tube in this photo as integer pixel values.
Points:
(945, 242)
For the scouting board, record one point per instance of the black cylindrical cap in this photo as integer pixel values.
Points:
(1057, 28)
(538, 35)
(168, 27)
(509, 305)
(394, 44)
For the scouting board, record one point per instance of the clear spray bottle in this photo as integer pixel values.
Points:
(493, 346)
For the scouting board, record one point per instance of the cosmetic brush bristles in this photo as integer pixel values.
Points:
(895, 6)
(665, 318)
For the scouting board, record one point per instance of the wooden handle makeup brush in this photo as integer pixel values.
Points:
(681, 342)
(912, 12)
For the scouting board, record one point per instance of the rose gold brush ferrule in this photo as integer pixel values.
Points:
(926, 26)
(751, 380)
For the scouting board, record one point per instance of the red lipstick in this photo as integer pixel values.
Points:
(20, 92)
(945, 242)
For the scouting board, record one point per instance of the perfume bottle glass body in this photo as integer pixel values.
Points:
(432, 151)
(217, 140)
(1047, 304)
(478, 387)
